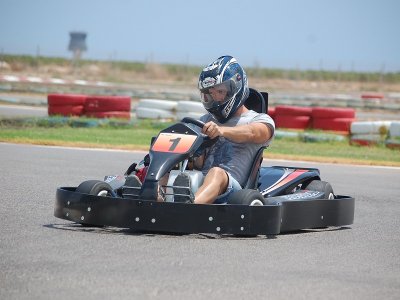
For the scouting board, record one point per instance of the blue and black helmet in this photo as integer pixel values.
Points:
(223, 87)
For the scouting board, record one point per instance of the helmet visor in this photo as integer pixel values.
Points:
(219, 94)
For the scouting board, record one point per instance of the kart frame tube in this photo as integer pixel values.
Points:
(152, 216)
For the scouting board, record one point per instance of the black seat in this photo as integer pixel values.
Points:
(257, 101)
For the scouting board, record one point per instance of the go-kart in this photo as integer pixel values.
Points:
(273, 200)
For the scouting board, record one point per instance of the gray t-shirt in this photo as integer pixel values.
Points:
(235, 158)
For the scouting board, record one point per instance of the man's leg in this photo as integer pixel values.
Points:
(215, 184)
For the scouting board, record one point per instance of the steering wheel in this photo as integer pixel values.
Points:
(193, 121)
(208, 142)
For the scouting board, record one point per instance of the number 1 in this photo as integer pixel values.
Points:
(175, 143)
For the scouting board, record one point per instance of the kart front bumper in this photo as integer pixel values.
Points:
(141, 215)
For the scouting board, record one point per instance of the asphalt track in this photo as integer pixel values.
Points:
(43, 257)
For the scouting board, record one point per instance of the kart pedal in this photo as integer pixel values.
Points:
(182, 189)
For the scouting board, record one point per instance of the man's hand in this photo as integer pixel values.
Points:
(213, 130)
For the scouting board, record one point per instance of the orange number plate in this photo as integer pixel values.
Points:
(173, 142)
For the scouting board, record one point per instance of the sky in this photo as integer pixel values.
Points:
(345, 35)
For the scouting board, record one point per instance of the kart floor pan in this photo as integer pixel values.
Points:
(195, 218)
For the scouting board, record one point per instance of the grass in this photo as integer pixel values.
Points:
(136, 136)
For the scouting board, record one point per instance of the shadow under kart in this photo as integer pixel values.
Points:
(274, 199)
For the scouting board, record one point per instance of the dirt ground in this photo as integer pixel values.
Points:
(158, 75)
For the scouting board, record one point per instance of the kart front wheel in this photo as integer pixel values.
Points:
(321, 186)
(247, 197)
(96, 188)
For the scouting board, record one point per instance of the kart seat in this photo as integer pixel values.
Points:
(257, 101)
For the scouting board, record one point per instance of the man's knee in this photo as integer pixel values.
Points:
(217, 172)
(219, 176)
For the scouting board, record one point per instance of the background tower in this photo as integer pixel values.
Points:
(77, 44)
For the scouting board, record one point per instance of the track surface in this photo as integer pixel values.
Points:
(43, 257)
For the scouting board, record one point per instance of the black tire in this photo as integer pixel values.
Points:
(247, 197)
(96, 188)
(321, 186)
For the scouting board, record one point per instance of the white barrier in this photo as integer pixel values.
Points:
(166, 109)
(377, 127)
(153, 113)
(394, 129)
(194, 115)
(191, 106)
(158, 104)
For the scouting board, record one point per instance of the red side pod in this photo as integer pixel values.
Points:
(290, 177)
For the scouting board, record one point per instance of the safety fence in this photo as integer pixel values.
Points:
(332, 119)
(320, 118)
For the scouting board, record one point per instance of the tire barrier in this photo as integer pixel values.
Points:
(377, 127)
(165, 109)
(109, 114)
(333, 119)
(65, 104)
(365, 139)
(90, 106)
(292, 117)
(66, 99)
(394, 129)
(372, 96)
(154, 113)
(292, 110)
(107, 103)
(191, 107)
(292, 122)
(194, 115)
(65, 110)
(393, 140)
(333, 124)
(271, 112)
(331, 113)
(369, 133)
(156, 109)
(158, 104)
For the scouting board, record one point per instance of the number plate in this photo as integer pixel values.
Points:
(173, 142)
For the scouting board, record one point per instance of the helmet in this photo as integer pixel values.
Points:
(223, 87)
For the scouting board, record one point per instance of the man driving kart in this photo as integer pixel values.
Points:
(240, 131)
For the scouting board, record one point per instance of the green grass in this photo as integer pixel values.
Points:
(137, 135)
(336, 152)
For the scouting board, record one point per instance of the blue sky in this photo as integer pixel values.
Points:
(306, 34)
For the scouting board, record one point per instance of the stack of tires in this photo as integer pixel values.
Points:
(292, 117)
(66, 105)
(108, 107)
(394, 136)
(156, 109)
(368, 133)
(90, 106)
(190, 109)
(372, 96)
(333, 119)
(271, 112)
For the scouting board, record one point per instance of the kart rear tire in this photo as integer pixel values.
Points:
(96, 188)
(321, 186)
(247, 197)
